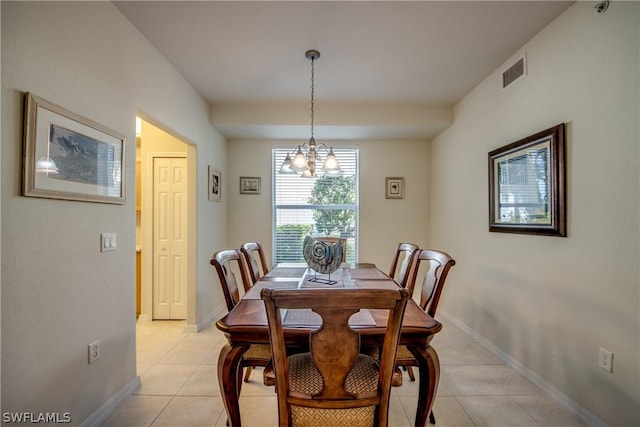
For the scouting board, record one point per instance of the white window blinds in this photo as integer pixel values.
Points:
(320, 206)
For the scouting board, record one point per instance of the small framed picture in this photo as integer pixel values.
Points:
(215, 189)
(250, 185)
(394, 188)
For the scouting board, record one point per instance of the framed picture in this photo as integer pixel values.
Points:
(394, 188)
(67, 156)
(250, 185)
(214, 186)
(527, 185)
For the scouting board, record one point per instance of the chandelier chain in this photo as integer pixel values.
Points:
(312, 87)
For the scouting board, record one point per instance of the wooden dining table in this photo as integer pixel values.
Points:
(247, 324)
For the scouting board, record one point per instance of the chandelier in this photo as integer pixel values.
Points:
(307, 155)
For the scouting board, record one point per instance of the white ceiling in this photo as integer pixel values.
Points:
(394, 68)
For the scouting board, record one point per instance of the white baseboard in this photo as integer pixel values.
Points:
(216, 314)
(586, 416)
(100, 414)
(191, 328)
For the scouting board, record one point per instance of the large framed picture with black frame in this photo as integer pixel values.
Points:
(527, 188)
(67, 156)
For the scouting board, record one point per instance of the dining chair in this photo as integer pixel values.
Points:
(436, 268)
(331, 240)
(224, 262)
(253, 253)
(333, 385)
(403, 260)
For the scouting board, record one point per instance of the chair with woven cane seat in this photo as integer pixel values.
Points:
(224, 262)
(253, 254)
(333, 385)
(403, 259)
(331, 240)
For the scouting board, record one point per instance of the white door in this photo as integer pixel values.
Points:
(169, 237)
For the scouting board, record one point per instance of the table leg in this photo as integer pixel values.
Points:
(229, 362)
(429, 365)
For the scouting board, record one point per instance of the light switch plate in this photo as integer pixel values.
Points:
(107, 242)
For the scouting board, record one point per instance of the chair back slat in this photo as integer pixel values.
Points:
(253, 252)
(334, 366)
(438, 264)
(224, 262)
(402, 263)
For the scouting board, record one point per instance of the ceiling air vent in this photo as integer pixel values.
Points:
(513, 73)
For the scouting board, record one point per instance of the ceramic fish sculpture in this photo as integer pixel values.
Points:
(324, 258)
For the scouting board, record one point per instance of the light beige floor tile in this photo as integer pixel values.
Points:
(447, 411)
(408, 387)
(257, 411)
(222, 420)
(494, 411)
(188, 353)
(547, 412)
(397, 414)
(143, 366)
(465, 353)
(203, 382)
(212, 357)
(143, 332)
(190, 412)
(443, 390)
(450, 333)
(155, 347)
(485, 380)
(412, 388)
(255, 386)
(163, 331)
(149, 353)
(164, 379)
(204, 337)
(136, 411)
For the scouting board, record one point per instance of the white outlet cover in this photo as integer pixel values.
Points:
(94, 351)
(605, 359)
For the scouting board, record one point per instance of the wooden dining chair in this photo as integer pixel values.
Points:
(333, 384)
(436, 266)
(253, 254)
(224, 262)
(403, 260)
(331, 240)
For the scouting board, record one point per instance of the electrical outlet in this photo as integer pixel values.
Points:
(605, 360)
(94, 351)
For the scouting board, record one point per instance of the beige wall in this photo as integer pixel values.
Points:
(59, 293)
(549, 303)
(383, 223)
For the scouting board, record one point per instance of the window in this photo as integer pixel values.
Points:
(323, 206)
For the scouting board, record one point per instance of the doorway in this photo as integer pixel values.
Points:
(165, 223)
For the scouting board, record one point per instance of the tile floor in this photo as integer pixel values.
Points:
(180, 386)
